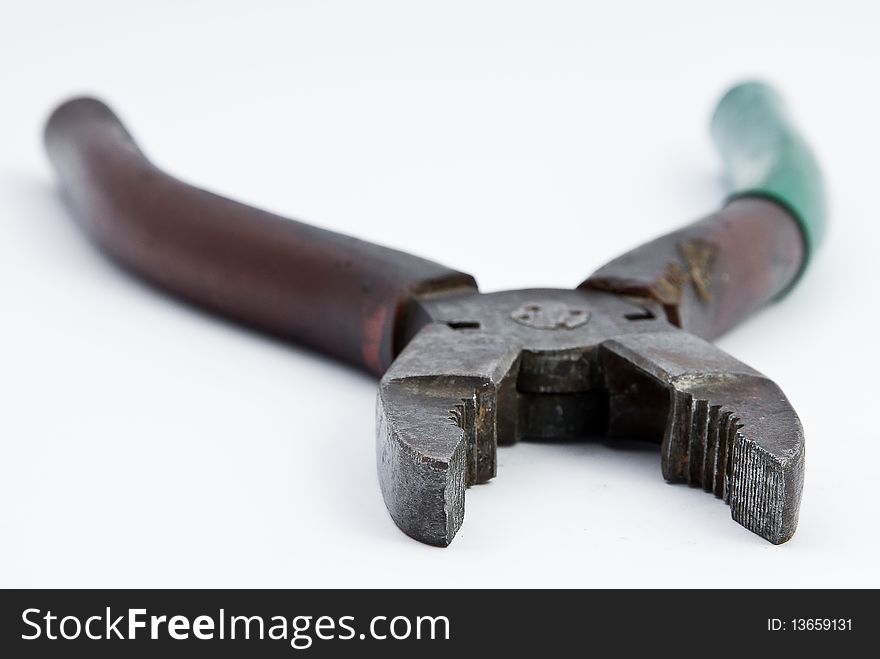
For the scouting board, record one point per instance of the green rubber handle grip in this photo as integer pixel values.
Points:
(766, 156)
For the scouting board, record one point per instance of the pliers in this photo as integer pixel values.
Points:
(625, 354)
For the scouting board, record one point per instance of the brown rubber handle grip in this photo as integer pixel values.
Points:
(712, 274)
(333, 293)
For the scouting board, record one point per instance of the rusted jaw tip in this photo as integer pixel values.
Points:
(728, 429)
(437, 430)
(421, 456)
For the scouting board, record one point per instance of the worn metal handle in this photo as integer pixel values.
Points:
(712, 274)
(336, 294)
(766, 156)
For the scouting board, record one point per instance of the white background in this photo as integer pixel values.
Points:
(145, 444)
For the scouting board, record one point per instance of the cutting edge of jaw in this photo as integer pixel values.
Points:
(728, 429)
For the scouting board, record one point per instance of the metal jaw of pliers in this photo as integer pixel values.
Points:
(625, 354)
(493, 369)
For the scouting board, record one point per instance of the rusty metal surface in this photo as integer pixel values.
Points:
(462, 387)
